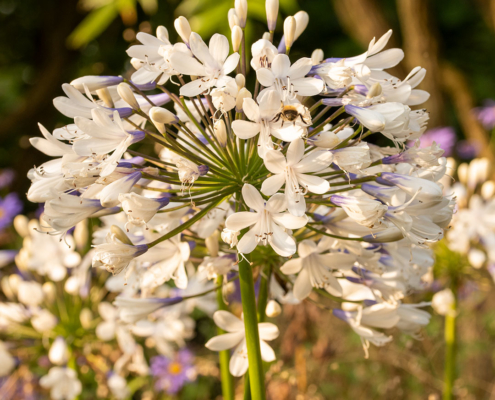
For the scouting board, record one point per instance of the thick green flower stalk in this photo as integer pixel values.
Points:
(184, 151)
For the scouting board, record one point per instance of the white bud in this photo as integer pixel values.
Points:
(120, 234)
(162, 33)
(239, 101)
(212, 242)
(21, 223)
(161, 116)
(106, 97)
(6, 288)
(289, 31)
(220, 132)
(125, 91)
(375, 90)
(49, 291)
(30, 293)
(59, 352)
(317, 56)
(14, 281)
(183, 28)
(302, 20)
(236, 38)
(488, 190)
(271, 14)
(462, 173)
(240, 80)
(241, 12)
(478, 171)
(86, 317)
(477, 258)
(266, 36)
(443, 302)
(233, 19)
(273, 309)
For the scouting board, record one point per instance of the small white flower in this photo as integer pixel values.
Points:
(62, 382)
(443, 302)
(236, 337)
(59, 352)
(230, 237)
(140, 209)
(263, 52)
(269, 220)
(364, 210)
(224, 98)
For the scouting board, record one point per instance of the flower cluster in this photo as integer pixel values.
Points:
(280, 172)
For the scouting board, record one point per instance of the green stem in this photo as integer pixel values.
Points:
(224, 355)
(256, 375)
(450, 352)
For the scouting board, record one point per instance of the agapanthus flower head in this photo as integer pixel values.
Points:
(172, 373)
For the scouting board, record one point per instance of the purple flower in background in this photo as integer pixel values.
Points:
(172, 373)
(444, 136)
(486, 114)
(10, 206)
(468, 150)
(6, 177)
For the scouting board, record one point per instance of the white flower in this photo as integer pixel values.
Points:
(263, 52)
(153, 57)
(269, 223)
(336, 75)
(289, 81)
(110, 194)
(235, 337)
(224, 98)
(43, 321)
(30, 293)
(315, 269)
(230, 237)
(62, 382)
(443, 302)
(118, 386)
(104, 135)
(364, 210)
(59, 352)
(352, 159)
(217, 266)
(214, 66)
(262, 117)
(115, 255)
(134, 309)
(140, 209)
(293, 171)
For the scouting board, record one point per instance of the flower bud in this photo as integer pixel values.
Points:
(162, 33)
(241, 12)
(271, 14)
(462, 173)
(266, 36)
(86, 317)
(120, 234)
(14, 281)
(302, 20)
(212, 242)
(239, 102)
(240, 80)
(220, 132)
(317, 56)
(125, 91)
(59, 352)
(477, 258)
(375, 90)
(106, 97)
(21, 223)
(236, 38)
(49, 291)
(443, 302)
(488, 190)
(289, 31)
(183, 28)
(81, 234)
(72, 286)
(6, 288)
(273, 309)
(233, 19)
(30, 293)
(95, 82)
(161, 116)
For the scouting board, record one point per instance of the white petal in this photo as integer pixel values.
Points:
(386, 59)
(314, 184)
(281, 242)
(277, 203)
(186, 64)
(275, 161)
(270, 103)
(272, 184)
(248, 242)
(302, 286)
(296, 205)
(300, 68)
(253, 198)
(295, 152)
(333, 286)
(251, 109)
(228, 321)
(241, 220)
(306, 247)
(417, 97)
(245, 129)
(268, 331)
(292, 266)
(314, 162)
(230, 63)
(219, 48)
(308, 86)
(265, 77)
(193, 88)
(267, 353)
(239, 360)
(200, 50)
(280, 66)
(289, 221)
(225, 341)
